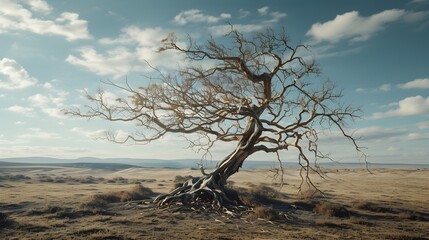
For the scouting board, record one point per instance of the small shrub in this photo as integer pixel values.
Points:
(309, 193)
(18, 177)
(87, 180)
(59, 180)
(52, 209)
(248, 200)
(4, 220)
(138, 192)
(262, 212)
(264, 193)
(331, 210)
(120, 180)
(44, 178)
(179, 180)
(100, 201)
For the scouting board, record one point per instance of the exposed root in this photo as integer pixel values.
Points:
(206, 190)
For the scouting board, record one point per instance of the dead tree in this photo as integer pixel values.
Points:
(257, 91)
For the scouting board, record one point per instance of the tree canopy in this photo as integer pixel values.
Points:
(256, 90)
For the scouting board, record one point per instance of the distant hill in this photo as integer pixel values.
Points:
(123, 163)
(104, 166)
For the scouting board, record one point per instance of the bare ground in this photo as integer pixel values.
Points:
(78, 203)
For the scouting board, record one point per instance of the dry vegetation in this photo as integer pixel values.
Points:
(117, 205)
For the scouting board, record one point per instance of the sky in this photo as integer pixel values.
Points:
(51, 52)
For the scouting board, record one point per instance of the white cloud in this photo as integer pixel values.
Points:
(109, 98)
(50, 104)
(116, 62)
(131, 51)
(385, 87)
(16, 17)
(54, 112)
(419, 1)
(409, 106)
(352, 26)
(196, 16)
(418, 136)
(263, 10)
(147, 37)
(221, 30)
(94, 134)
(271, 18)
(422, 83)
(14, 76)
(382, 88)
(20, 109)
(276, 17)
(378, 133)
(39, 100)
(121, 135)
(243, 13)
(39, 6)
(423, 125)
(37, 133)
(47, 85)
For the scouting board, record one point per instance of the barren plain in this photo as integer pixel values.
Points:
(54, 202)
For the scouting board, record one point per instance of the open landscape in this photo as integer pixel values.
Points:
(113, 201)
(214, 120)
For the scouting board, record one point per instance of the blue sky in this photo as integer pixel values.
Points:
(53, 51)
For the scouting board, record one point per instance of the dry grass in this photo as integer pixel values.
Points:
(394, 208)
(404, 236)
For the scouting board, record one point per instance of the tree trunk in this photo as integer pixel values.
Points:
(210, 188)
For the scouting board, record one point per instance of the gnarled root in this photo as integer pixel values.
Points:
(208, 189)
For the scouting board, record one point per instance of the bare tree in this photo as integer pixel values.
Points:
(257, 91)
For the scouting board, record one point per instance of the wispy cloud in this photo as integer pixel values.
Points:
(382, 88)
(269, 18)
(20, 109)
(243, 13)
(15, 16)
(423, 125)
(92, 134)
(385, 87)
(263, 10)
(128, 52)
(37, 133)
(351, 26)
(420, 83)
(416, 105)
(221, 30)
(50, 103)
(378, 133)
(14, 76)
(419, 2)
(39, 6)
(197, 16)
(116, 62)
(418, 136)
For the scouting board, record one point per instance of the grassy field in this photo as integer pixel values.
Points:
(77, 202)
